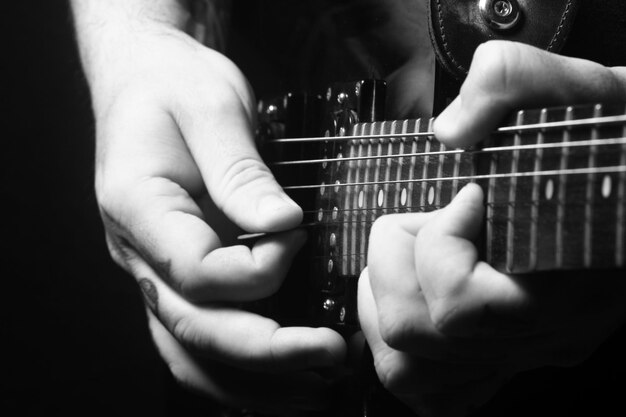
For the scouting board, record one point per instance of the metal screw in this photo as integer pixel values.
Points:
(501, 14)
(502, 8)
(342, 314)
(329, 304)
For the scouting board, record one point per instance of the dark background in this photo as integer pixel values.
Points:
(72, 321)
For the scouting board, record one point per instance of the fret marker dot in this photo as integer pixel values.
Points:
(335, 213)
(607, 185)
(381, 198)
(322, 188)
(320, 215)
(549, 189)
(403, 197)
(431, 195)
(360, 199)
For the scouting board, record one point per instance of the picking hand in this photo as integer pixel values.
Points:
(178, 177)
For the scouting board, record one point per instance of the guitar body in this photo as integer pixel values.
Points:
(555, 194)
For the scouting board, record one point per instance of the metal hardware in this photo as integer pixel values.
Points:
(501, 14)
(329, 304)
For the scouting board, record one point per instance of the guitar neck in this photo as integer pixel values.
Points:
(554, 183)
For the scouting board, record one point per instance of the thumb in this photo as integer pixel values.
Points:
(505, 76)
(222, 143)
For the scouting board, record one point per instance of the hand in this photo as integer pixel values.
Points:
(445, 329)
(178, 177)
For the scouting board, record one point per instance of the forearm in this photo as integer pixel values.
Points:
(109, 31)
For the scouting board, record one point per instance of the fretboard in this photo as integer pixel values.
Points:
(554, 183)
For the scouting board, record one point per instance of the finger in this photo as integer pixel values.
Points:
(239, 338)
(437, 388)
(505, 76)
(217, 124)
(466, 296)
(165, 225)
(144, 190)
(267, 393)
(403, 314)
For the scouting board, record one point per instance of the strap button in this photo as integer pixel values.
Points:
(500, 14)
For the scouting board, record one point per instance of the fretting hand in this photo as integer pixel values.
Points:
(446, 330)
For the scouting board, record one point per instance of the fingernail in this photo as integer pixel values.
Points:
(272, 203)
(445, 123)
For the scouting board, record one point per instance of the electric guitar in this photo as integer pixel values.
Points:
(554, 181)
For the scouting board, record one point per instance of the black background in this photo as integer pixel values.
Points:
(72, 321)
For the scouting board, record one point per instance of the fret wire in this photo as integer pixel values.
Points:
(510, 235)
(401, 162)
(424, 176)
(505, 129)
(412, 170)
(439, 174)
(492, 149)
(620, 233)
(347, 199)
(455, 173)
(534, 212)
(489, 211)
(589, 195)
(387, 173)
(572, 171)
(562, 190)
(364, 215)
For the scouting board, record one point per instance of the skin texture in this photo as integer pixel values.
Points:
(178, 177)
(446, 330)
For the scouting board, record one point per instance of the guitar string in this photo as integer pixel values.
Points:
(492, 149)
(571, 171)
(593, 121)
(431, 207)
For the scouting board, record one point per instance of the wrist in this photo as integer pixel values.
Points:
(113, 34)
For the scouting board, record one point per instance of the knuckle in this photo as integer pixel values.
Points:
(393, 329)
(495, 64)
(245, 173)
(444, 314)
(183, 329)
(389, 374)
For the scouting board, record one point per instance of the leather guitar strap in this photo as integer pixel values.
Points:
(457, 27)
